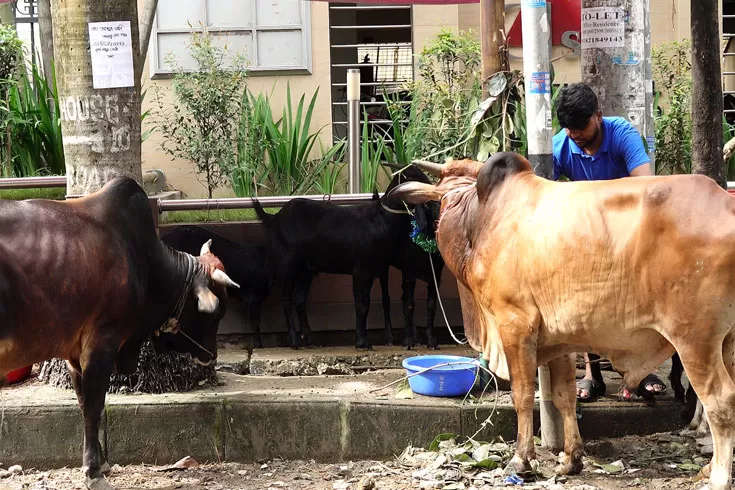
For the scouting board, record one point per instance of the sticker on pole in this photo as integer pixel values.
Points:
(539, 82)
(603, 27)
(111, 47)
(533, 3)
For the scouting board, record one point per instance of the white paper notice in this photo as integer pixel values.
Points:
(111, 46)
(603, 27)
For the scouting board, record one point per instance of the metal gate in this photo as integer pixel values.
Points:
(377, 39)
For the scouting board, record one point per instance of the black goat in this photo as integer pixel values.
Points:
(245, 264)
(307, 237)
(416, 263)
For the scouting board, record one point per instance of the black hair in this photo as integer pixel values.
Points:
(576, 105)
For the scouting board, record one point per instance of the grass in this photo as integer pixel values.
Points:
(56, 193)
(213, 215)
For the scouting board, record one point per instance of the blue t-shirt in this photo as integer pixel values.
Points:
(620, 152)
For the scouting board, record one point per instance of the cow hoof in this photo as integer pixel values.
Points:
(569, 467)
(518, 466)
(704, 473)
(105, 468)
(364, 347)
(99, 483)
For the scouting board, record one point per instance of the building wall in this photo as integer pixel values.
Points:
(670, 21)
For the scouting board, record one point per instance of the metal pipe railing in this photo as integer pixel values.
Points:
(247, 203)
(33, 182)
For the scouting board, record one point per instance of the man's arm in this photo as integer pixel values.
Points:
(642, 170)
(636, 158)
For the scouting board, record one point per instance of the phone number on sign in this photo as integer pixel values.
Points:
(602, 39)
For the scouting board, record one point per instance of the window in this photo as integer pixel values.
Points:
(270, 34)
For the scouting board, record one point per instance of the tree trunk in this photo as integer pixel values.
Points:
(145, 26)
(101, 127)
(621, 75)
(46, 33)
(706, 92)
(492, 15)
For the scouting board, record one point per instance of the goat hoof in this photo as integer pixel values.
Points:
(99, 483)
(364, 347)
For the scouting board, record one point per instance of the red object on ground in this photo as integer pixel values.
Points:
(19, 375)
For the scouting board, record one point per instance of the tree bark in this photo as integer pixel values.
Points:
(706, 92)
(492, 17)
(101, 127)
(621, 76)
(46, 33)
(145, 27)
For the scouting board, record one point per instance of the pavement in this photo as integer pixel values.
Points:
(287, 409)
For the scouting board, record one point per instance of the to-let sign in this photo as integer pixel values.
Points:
(603, 27)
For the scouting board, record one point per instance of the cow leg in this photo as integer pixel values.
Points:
(520, 352)
(385, 298)
(95, 379)
(254, 309)
(564, 395)
(409, 306)
(362, 282)
(710, 378)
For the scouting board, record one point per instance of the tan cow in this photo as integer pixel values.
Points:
(632, 269)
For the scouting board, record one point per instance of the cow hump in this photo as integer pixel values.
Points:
(497, 169)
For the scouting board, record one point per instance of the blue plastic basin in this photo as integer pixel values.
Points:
(443, 380)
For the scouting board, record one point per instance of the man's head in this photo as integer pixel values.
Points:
(579, 114)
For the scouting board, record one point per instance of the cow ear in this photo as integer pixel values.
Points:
(416, 192)
(207, 300)
(205, 248)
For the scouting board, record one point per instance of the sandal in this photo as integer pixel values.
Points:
(652, 380)
(593, 388)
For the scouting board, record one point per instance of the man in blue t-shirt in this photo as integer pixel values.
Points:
(592, 147)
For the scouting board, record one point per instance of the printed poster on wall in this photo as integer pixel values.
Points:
(111, 47)
(603, 27)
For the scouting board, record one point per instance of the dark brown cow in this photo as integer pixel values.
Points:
(633, 269)
(89, 281)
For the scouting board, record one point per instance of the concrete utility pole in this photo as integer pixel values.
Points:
(536, 21)
(97, 52)
(616, 61)
(492, 13)
(707, 92)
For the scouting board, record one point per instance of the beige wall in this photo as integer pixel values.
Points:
(180, 173)
(670, 21)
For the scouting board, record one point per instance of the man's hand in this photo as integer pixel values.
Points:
(642, 170)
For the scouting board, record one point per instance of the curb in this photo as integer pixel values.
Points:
(247, 428)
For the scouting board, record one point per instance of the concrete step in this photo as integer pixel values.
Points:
(259, 417)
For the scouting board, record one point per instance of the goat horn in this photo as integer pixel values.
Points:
(430, 167)
(205, 247)
(220, 277)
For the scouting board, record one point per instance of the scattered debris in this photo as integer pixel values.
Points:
(182, 464)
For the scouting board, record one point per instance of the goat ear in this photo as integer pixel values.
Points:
(416, 192)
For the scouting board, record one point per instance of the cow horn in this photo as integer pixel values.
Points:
(205, 247)
(430, 167)
(394, 166)
(220, 277)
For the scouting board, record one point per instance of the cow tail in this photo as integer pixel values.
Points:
(266, 218)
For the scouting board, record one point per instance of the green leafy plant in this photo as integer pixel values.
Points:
(36, 146)
(673, 120)
(201, 126)
(275, 155)
(373, 152)
(445, 97)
